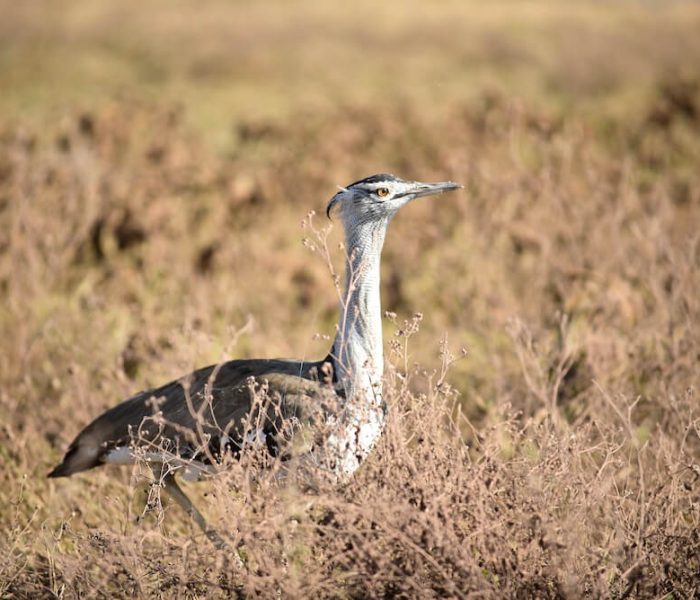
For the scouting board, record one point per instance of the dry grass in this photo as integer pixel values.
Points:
(559, 458)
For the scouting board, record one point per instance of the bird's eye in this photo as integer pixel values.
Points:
(382, 192)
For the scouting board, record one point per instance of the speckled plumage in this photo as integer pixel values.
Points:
(223, 395)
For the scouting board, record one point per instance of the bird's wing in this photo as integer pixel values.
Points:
(213, 410)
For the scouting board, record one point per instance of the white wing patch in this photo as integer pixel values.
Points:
(256, 438)
(192, 470)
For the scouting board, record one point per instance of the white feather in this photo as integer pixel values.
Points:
(192, 470)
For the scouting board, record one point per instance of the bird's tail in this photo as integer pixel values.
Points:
(79, 457)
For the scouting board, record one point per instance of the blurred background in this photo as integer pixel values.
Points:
(157, 160)
(231, 61)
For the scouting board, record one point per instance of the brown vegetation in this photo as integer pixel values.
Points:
(559, 456)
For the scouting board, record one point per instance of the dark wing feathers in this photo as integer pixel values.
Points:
(216, 402)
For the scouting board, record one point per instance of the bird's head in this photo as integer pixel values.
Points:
(377, 198)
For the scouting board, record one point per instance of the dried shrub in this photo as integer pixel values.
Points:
(558, 459)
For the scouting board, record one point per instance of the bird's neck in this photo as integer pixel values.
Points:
(357, 354)
(357, 349)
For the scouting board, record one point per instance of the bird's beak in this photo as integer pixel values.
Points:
(428, 189)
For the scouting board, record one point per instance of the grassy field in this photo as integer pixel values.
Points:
(156, 164)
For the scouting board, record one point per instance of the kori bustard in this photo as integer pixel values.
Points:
(190, 424)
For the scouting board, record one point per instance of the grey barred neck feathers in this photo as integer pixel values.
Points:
(366, 206)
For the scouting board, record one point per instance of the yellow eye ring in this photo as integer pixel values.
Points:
(382, 192)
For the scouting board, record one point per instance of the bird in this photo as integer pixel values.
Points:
(188, 426)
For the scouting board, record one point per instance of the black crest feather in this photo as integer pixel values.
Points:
(376, 179)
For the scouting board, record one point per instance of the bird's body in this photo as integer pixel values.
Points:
(188, 425)
(213, 411)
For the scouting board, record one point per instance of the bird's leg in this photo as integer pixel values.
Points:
(167, 480)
